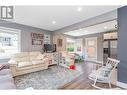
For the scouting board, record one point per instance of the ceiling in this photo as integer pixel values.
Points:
(56, 17)
(99, 28)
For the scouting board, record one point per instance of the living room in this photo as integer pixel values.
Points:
(52, 51)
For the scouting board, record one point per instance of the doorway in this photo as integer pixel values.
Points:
(91, 49)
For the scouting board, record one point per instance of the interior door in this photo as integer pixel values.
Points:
(91, 49)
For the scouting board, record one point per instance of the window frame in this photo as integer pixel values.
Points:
(12, 30)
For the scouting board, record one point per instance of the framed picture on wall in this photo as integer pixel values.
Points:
(59, 42)
(37, 36)
(37, 42)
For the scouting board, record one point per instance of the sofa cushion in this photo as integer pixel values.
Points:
(21, 54)
(24, 63)
(26, 58)
(32, 58)
(41, 56)
(37, 61)
(33, 55)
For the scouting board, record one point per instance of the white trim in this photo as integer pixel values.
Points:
(121, 84)
(10, 29)
(86, 39)
(19, 44)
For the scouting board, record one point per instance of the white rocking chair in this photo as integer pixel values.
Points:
(103, 74)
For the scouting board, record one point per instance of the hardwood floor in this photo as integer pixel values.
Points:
(82, 82)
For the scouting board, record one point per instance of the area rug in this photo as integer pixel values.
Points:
(52, 78)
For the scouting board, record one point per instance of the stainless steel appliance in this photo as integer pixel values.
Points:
(110, 48)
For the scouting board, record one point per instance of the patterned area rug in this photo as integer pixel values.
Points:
(4, 66)
(52, 78)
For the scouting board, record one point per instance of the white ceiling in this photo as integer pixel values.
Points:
(99, 28)
(42, 16)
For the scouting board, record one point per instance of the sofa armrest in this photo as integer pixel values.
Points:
(13, 68)
(13, 65)
(12, 62)
(46, 60)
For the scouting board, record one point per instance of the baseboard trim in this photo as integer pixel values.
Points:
(122, 85)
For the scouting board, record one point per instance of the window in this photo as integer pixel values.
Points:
(74, 45)
(70, 45)
(9, 42)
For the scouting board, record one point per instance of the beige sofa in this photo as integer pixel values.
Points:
(27, 62)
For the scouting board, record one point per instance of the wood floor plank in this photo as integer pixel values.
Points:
(82, 82)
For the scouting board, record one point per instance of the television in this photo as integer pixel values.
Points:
(50, 47)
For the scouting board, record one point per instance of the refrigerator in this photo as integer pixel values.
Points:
(109, 49)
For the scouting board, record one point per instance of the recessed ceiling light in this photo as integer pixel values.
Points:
(79, 9)
(105, 27)
(80, 29)
(85, 31)
(53, 22)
